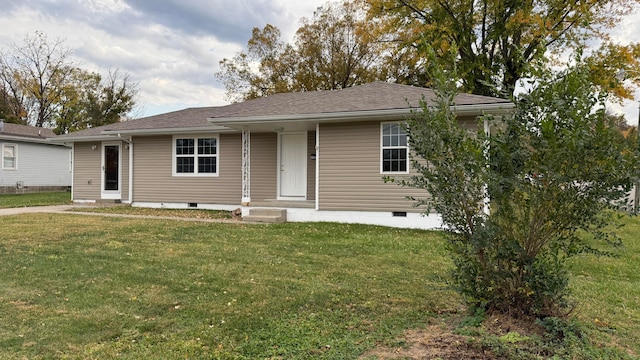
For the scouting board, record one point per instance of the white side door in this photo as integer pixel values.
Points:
(293, 166)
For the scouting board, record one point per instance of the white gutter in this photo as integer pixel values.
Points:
(26, 139)
(107, 135)
(495, 109)
(83, 138)
(388, 114)
(168, 131)
(123, 139)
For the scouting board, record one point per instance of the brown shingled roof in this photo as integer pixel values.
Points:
(374, 96)
(369, 97)
(17, 130)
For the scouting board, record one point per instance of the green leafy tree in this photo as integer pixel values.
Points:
(89, 100)
(275, 70)
(71, 114)
(32, 73)
(335, 51)
(41, 86)
(496, 40)
(331, 51)
(550, 171)
(7, 105)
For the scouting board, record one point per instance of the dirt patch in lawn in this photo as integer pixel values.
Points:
(433, 342)
(440, 341)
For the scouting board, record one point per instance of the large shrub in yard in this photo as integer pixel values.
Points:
(547, 172)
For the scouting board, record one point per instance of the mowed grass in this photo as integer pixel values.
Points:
(85, 287)
(34, 199)
(81, 287)
(607, 291)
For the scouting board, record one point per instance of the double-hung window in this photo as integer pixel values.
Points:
(195, 156)
(9, 156)
(394, 148)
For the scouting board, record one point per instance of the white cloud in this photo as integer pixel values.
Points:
(172, 47)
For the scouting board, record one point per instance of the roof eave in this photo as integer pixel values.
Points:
(501, 108)
(368, 115)
(167, 131)
(315, 117)
(70, 139)
(107, 135)
(25, 139)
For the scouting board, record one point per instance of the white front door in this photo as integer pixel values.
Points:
(111, 171)
(293, 166)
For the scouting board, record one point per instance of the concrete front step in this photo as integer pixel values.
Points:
(108, 201)
(265, 215)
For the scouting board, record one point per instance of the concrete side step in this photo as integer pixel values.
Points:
(266, 215)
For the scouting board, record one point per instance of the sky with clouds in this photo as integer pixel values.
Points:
(172, 47)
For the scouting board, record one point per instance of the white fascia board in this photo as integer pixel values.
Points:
(107, 135)
(168, 131)
(72, 139)
(496, 109)
(390, 114)
(23, 139)
(319, 117)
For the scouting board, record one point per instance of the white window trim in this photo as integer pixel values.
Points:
(195, 137)
(15, 156)
(382, 148)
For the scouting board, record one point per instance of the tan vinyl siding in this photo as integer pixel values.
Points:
(86, 171)
(264, 159)
(154, 181)
(124, 165)
(469, 122)
(350, 177)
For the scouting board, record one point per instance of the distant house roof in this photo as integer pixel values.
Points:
(10, 131)
(364, 100)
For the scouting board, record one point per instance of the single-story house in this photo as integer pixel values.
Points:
(30, 163)
(317, 156)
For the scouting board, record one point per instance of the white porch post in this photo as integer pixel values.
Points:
(487, 200)
(317, 206)
(246, 166)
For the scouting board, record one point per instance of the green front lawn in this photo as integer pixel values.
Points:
(91, 287)
(84, 287)
(34, 199)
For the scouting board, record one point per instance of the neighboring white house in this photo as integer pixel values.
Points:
(31, 164)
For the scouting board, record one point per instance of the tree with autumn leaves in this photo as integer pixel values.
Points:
(41, 86)
(330, 51)
(496, 41)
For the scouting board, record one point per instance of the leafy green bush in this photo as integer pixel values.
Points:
(549, 170)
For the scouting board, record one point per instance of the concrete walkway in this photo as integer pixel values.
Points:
(64, 209)
(36, 209)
